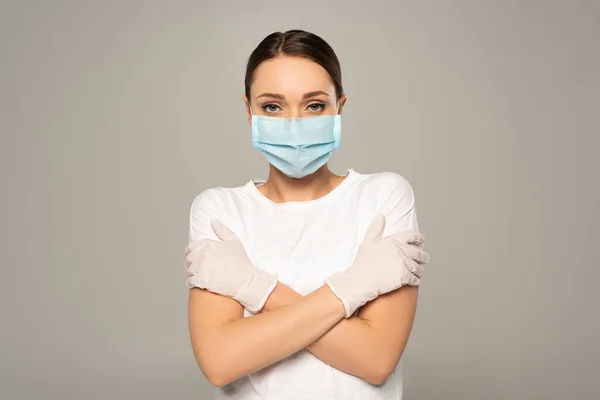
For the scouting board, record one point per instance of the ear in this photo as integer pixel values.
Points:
(248, 113)
(342, 101)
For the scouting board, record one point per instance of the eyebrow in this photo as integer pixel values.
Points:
(305, 96)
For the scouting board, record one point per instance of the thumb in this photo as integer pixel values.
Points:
(222, 231)
(376, 228)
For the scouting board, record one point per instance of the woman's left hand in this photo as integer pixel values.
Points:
(223, 267)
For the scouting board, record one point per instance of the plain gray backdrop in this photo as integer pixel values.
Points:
(116, 114)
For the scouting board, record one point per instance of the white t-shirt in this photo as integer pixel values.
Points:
(302, 243)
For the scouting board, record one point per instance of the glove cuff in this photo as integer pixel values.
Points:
(255, 294)
(345, 289)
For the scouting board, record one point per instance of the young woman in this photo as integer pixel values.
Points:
(303, 286)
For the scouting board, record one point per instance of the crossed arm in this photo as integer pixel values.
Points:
(228, 346)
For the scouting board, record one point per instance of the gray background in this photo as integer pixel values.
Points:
(115, 114)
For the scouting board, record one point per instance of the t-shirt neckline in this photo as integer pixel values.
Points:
(252, 185)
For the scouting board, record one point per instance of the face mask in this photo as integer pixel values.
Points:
(296, 146)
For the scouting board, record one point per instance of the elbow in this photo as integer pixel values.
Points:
(216, 375)
(215, 369)
(377, 378)
(217, 379)
(379, 373)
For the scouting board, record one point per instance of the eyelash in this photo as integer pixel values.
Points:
(265, 107)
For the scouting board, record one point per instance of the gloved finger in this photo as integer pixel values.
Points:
(193, 245)
(415, 269)
(413, 281)
(193, 281)
(410, 237)
(415, 253)
(375, 230)
(193, 255)
(222, 231)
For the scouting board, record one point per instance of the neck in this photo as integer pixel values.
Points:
(280, 188)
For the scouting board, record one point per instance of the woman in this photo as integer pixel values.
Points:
(303, 286)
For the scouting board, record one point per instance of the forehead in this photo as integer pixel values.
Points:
(290, 76)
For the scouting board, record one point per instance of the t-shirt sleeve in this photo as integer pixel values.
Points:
(202, 211)
(398, 205)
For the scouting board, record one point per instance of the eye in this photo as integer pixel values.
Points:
(271, 108)
(316, 107)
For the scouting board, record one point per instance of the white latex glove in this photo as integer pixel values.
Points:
(380, 266)
(223, 267)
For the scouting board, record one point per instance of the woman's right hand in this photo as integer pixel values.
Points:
(381, 266)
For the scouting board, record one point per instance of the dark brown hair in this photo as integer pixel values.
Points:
(297, 43)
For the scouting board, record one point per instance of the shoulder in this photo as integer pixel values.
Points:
(207, 199)
(390, 194)
(213, 203)
(215, 200)
(391, 180)
(386, 184)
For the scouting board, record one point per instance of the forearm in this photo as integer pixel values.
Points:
(245, 345)
(348, 346)
(352, 345)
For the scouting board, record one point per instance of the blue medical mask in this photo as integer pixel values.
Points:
(296, 146)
